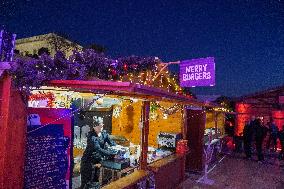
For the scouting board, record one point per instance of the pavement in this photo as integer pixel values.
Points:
(235, 172)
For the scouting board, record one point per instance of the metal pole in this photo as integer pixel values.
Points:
(145, 133)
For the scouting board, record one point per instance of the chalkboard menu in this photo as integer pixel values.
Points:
(46, 162)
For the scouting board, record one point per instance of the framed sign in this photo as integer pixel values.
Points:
(197, 72)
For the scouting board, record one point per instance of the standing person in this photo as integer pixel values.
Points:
(259, 136)
(248, 134)
(273, 130)
(94, 153)
(274, 133)
(281, 138)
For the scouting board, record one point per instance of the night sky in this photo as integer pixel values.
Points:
(246, 37)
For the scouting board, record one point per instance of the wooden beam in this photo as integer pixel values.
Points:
(216, 121)
(184, 123)
(5, 84)
(145, 133)
(165, 65)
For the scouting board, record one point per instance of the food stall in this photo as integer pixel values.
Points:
(146, 116)
(146, 122)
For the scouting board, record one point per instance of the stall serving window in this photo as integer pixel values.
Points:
(165, 126)
(120, 117)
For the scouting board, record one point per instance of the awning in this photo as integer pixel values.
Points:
(127, 89)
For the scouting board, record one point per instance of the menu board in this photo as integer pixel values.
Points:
(46, 162)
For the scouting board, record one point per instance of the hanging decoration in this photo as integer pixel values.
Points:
(43, 96)
(90, 65)
(165, 116)
(154, 116)
(168, 111)
(117, 111)
(153, 111)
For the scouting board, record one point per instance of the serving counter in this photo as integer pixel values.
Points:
(168, 173)
(128, 182)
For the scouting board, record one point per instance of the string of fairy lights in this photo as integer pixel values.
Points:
(154, 106)
(72, 113)
(148, 78)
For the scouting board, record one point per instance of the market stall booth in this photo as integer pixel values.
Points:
(265, 105)
(146, 122)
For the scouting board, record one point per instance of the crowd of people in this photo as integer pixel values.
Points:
(255, 132)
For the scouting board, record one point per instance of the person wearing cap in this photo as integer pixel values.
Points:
(94, 153)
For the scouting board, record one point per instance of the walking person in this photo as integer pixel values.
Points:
(259, 137)
(248, 134)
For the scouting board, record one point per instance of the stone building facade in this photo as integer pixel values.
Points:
(51, 41)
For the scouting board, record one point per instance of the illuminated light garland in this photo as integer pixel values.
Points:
(168, 111)
(72, 113)
(43, 96)
(117, 111)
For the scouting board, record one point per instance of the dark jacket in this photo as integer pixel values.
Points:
(248, 132)
(259, 132)
(96, 145)
(94, 154)
(281, 136)
(273, 129)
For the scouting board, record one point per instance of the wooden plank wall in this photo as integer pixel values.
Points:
(13, 135)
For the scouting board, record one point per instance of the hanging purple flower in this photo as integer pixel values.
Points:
(28, 72)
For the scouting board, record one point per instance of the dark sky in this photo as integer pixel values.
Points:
(246, 37)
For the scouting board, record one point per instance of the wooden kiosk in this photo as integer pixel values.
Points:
(171, 167)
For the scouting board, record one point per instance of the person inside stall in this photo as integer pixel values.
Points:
(94, 153)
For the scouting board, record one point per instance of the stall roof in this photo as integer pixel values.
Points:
(127, 89)
(276, 91)
(268, 96)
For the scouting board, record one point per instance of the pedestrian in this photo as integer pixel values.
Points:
(273, 133)
(281, 138)
(248, 134)
(259, 137)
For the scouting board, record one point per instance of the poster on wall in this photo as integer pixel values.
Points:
(197, 72)
(46, 162)
(49, 145)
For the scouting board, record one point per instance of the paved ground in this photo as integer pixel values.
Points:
(233, 172)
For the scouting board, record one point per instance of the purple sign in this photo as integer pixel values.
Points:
(197, 72)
